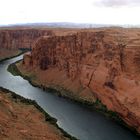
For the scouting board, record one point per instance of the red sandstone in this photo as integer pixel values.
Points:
(19, 121)
(104, 64)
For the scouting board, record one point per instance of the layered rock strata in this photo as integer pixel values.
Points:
(20, 38)
(98, 61)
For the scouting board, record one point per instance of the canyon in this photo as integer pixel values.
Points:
(88, 65)
(11, 40)
(20, 38)
(85, 65)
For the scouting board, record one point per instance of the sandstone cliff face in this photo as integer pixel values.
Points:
(20, 38)
(101, 62)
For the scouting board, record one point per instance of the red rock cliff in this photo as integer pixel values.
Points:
(20, 38)
(101, 62)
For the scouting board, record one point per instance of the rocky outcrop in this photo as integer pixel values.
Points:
(24, 119)
(100, 62)
(20, 38)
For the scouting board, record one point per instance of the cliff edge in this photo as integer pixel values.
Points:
(92, 64)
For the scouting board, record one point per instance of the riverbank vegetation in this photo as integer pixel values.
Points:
(60, 91)
(51, 123)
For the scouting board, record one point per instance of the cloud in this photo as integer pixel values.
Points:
(116, 3)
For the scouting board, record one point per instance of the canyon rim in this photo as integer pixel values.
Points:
(90, 65)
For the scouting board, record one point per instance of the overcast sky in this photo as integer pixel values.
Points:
(79, 11)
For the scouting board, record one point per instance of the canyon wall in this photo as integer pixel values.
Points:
(100, 61)
(20, 38)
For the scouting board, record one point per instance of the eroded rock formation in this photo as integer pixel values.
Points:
(100, 62)
(20, 38)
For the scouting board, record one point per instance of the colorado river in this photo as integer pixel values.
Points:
(73, 118)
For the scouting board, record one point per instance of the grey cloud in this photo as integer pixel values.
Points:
(116, 3)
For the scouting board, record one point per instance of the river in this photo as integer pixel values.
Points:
(77, 120)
